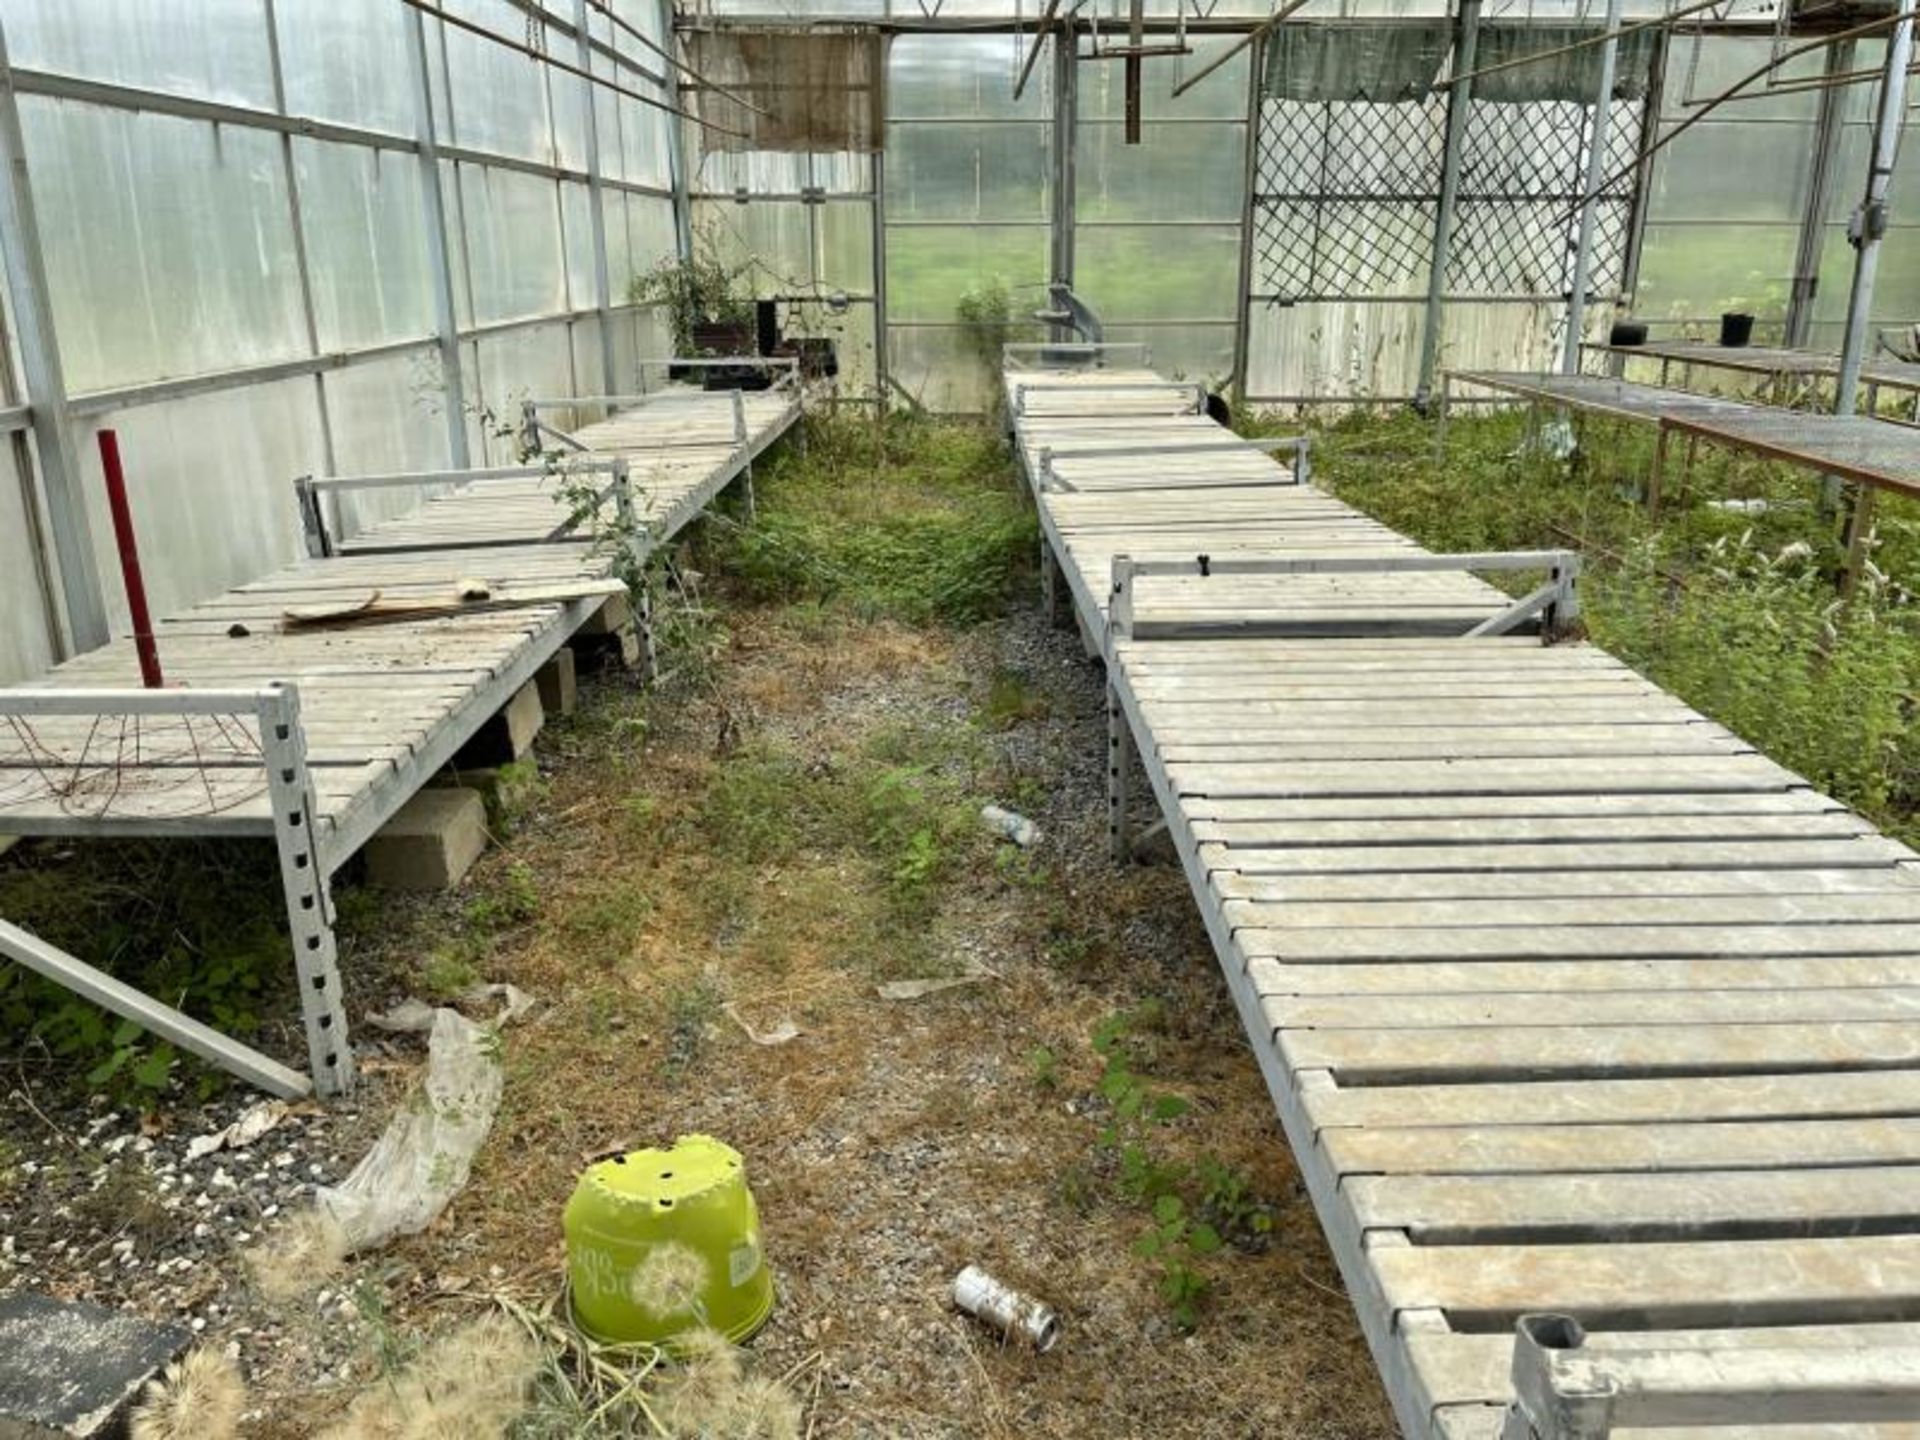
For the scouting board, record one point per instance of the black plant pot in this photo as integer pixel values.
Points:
(1736, 329)
(1628, 332)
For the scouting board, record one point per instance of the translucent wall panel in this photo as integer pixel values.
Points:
(366, 238)
(761, 172)
(929, 267)
(170, 243)
(951, 170)
(1726, 199)
(772, 238)
(569, 100)
(1184, 352)
(518, 365)
(940, 368)
(1221, 96)
(1145, 272)
(26, 621)
(212, 49)
(1176, 172)
(514, 255)
(499, 95)
(640, 234)
(387, 415)
(576, 221)
(1698, 271)
(965, 77)
(212, 489)
(844, 246)
(347, 60)
(1896, 287)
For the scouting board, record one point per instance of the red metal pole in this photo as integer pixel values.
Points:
(130, 561)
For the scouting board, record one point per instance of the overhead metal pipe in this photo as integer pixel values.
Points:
(507, 42)
(1589, 211)
(1251, 37)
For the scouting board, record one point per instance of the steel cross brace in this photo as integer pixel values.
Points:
(309, 491)
(1557, 600)
(304, 879)
(1565, 1389)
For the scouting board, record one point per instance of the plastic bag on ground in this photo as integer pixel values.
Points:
(422, 1160)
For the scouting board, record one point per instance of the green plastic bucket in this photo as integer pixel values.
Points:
(662, 1241)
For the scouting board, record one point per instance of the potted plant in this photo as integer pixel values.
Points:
(708, 314)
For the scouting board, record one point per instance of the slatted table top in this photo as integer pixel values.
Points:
(382, 706)
(1569, 1000)
(681, 448)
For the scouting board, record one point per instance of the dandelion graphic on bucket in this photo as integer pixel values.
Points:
(662, 1241)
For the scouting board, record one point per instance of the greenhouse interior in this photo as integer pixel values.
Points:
(956, 718)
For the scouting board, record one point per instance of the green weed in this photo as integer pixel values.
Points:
(909, 518)
(198, 924)
(1198, 1207)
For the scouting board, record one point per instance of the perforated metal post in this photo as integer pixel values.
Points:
(1119, 776)
(1120, 749)
(304, 880)
(643, 611)
(1049, 582)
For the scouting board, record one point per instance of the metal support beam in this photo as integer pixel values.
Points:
(881, 370)
(1813, 219)
(1249, 179)
(161, 1021)
(596, 201)
(1465, 44)
(677, 156)
(439, 260)
(306, 883)
(84, 602)
(1590, 191)
(1065, 136)
(301, 263)
(1869, 226)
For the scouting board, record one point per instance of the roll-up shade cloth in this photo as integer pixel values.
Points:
(825, 92)
(1571, 76)
(1389, 64)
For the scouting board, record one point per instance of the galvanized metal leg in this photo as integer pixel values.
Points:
(1049, 582)
(1655, 475)
(182, 1031)
(753, 504)
(1859, 538)
(304, 879)
(1119, 777)
(643, 623)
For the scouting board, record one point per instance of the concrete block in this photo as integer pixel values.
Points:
(599, 651)
(609, 618)
(70, 1368)
(431, 843)
(508, 735)
(559, 689)
(506, 790)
